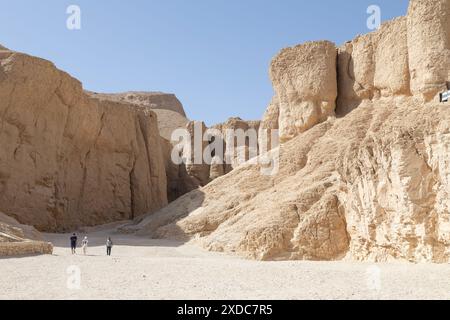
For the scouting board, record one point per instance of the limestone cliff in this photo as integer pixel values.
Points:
(167, 107)
(151, 100)
(371, 183)
(69, 160)
(304, 79)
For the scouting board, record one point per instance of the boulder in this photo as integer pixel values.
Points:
(304, 79)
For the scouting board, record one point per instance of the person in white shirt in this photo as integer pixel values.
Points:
(84, 245)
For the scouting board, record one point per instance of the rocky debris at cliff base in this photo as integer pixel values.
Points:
(19, 240)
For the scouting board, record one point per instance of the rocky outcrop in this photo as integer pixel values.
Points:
(304, 79)
(179, 182)
(193, 173)
(197, 169)
(19, 240)
(408, 56)
(151, 100)
(429, 46)
(171, 116)
(371, 184)
(69, 160)
(377, 193)
(240, 144)
(373, 66)
(269, 127)
(167, 107)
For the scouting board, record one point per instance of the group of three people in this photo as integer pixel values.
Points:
(84, 244)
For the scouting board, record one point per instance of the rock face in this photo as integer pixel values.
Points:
(179, 182)
(69, 160)
(171, 116)
(269, 126)
(240, 143)
(374, 66)
(429, 46)
(152, 100)
(371, 184)
(167, 107)
(379, 192)
(196, 168)
(407, 56)
(304, 79)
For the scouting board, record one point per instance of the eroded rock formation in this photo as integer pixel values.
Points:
(369, 184)
(69, 160)
(17, 239)
(304, 79)
(167, 107)
(151, 100)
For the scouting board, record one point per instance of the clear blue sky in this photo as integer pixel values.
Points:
(213, 54)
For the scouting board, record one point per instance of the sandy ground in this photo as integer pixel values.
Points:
(151, 269)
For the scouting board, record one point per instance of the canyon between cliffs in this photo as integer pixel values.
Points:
(363, 165)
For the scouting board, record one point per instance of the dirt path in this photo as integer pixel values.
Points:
(149, 269)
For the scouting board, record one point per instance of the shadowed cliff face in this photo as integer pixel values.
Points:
(371, 184)
(69, 160)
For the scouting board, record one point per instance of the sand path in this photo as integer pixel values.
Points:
(150, 269)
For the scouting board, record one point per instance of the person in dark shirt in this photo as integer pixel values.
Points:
(73, 243)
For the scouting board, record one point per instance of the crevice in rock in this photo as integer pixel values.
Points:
(132, 178)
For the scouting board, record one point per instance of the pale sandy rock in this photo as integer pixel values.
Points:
(24, 248)
(391, 59)
(217, 168)
(371, 185)
(169, 121)
(68, 160)
(169, 110)
(152, 100)
(304, 79)
(356, 68)
(373, 66)
(196, 167)
(240, 139)
(379, 192)
(429, 46)
(171, 117)
(269, 126)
